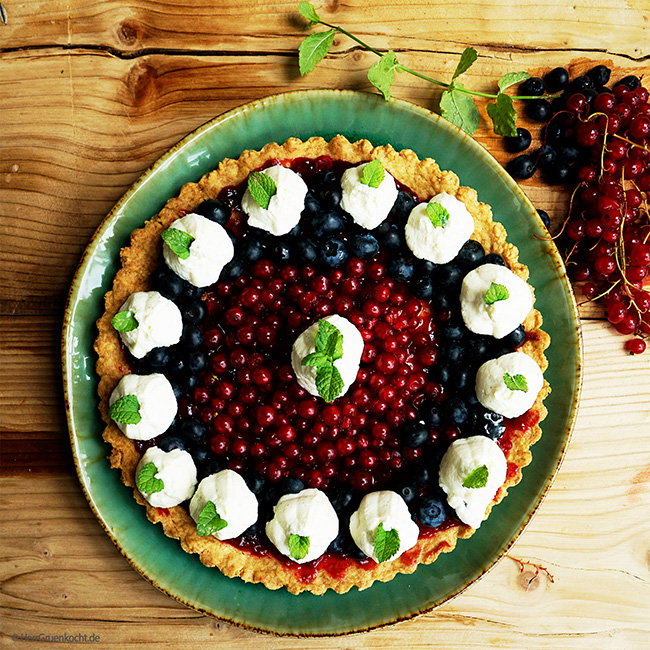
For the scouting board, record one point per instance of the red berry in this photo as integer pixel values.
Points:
(635, 346)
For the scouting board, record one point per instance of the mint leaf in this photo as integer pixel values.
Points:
(298, 546)
(459, 109)
(329, 382)
(503, 115)
(147, 482)
(467, 58)
(210, 520)
(307, 11)
(124, 321)
(382, 74)
(386, 543)
(313, 49)
(495, 293)
(516, 382)
(325, 329)
(478, 478)
(438, 214)
(511, 79)
(261, 187)
(373, 173)
(316, 359)
(178, 241)
(334, 346)
(126, 410)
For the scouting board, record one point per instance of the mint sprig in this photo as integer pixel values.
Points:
(495, 293)
(515, 382)
(386, 543)
(126, 410)
(124, 321)
(178, 241)
(298, 546)
(373, 174)
(438, 214)
(261, 187)
(329, 347)
(210, 521)
(456, 103)
(147, 482)
(477, 478)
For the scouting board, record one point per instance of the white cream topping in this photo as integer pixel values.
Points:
(494, 394)
(387, 508)
(368, 206)
(462, 458)
(177, 471)
(210, 251)
(285, 205)
(160, 323)
(347, 365)
(233, 500)
(501, 317)
(439, 244)
(157, 404)
(308, 513)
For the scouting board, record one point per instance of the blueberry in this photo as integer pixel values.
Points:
(167, 283)
(215, 210)
(192, 336)
(189, 292)
(590, 94)
(470, 255)
(521, 167)
(329, 196)
(364, 245)
(250, 249)
(546, 156)
(462, 378)
(312, 207)
(554, 133)
(421, 475)
(390, 235)
(400, 268)
(197, 360)
(408, 492)
(442, 373)
(416, 434)
(556, 79)
(176, 365)
(493, 258)
(306, 251)
(351, 549)
(422, 287)
(157, 359)
(519, 142)
(341, 498)
(338, 543)
(281, 251)
(295, 231)
(333, 252)
(327, 223)
(233, 237)
(477, 349)
(171, 441)
(532, 86)
(290, 485)
(178, 393)
(232, 270)
(440, 301)
(210, 466)
(538, 109)
(188, 381)
(430, 414)
(457, 410)
(424, 267)
(580, 84)
(515, 338)
(195, 312)
(493, 426)
(402, 207)
(453, 353)
(631, 81)
(546, 220)
(255, 481)
(453, 331)
(450, 276)
(431, 512)
(192, 430)
(559, 173)
(568, 152)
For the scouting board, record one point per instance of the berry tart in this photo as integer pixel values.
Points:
(321, 365)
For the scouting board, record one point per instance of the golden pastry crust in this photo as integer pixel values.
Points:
(143, 256)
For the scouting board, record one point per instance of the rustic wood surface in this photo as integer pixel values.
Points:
(91, 93)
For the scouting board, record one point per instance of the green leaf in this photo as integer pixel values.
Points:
(438, 214)
(124, 321)
(210, 520)
(313, 49)
(382, 74)
(495, 293)
(316, 359)
(147, 482)
(307, 11)
(329, 382)
(334, 346)
(478, 478)
(325, 331)
(373, 173)
(503, 115)
(126, 410)
(386, 543)
(298, 546)
(467, 58)
(261, 187)
(459, 108)
(178, 241)
(516, 382)
(511, 79)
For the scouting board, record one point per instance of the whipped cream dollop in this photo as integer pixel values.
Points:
(368, 206)
(285, 206)
(439, 244)
(466, 461)
(233, 501)
(177, 472)
(160, 323)
(308, 515)
(347, 365)
(210, 251)
(484, 315)
(157, 405)
(509, 384)
(389, 509)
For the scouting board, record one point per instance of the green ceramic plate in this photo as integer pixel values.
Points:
(161, 560)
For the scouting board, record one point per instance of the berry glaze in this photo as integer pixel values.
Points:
(240, 406)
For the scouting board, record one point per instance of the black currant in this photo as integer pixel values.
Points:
(521, 167)
(520, 142)
(538, 109)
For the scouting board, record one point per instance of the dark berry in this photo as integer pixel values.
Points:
(422, 287)
(493, 258)
(580, 84)
(195, 312)
(559, 173)
(232, 270)
(280, 251)
(430, 414)
(457, 410)
(450, 276)
(424, 267)
(157, 359)
(519, 142)
(470, 255)
(515, 338)
(532, 86)
(188, 381)
(493, 426)
(477, 347)
(312, 207)
(364, 245)
(171, 441)
(306, 250)
(630, 81)
(215, 210)
(197, 360)
(402, 207)
(453, 353)
(327, 223)
(546, 220)
(553, 133)
(333, 252)
(167, 283)
(255, 482)
(568, 151)
(192, 430)
(416, 434)
(329, 196)
(521, 167)
(400, 269)
(390, 235)
(250, 249)
(546, 156)
(421, 475)
(408, 492)
(192, 336)
(538, 109)
(290, 485)
(556, 79)
(599, 75)
(431, 512)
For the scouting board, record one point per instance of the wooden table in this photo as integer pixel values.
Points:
(91, 94)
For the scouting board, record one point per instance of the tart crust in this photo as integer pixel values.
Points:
(143, 256)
